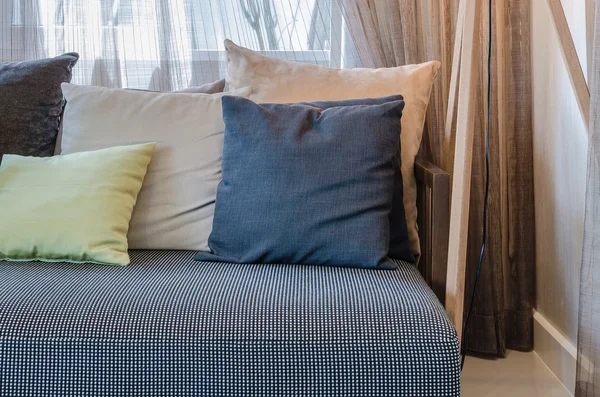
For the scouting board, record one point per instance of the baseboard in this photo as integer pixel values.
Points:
(557, 352)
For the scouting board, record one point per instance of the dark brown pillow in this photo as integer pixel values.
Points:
(31, 101)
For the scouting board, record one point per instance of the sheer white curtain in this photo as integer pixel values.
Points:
(170, 44)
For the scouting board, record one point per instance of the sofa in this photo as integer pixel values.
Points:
(171, 321)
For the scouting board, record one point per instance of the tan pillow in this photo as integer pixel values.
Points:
(276, 81)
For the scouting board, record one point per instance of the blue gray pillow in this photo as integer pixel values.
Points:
(32, 102)
(306, 185)
(399, 242)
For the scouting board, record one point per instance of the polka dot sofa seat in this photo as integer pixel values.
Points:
(167, 325)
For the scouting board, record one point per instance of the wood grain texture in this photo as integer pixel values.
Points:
(449, 131)
(461, 182)
(519, 274)
(448, 25)
(582, 92)
(433, 185)
(485, 331)
(502, 42)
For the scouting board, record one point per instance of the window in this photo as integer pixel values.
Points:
(169, 44)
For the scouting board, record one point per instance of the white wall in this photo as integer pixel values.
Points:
(560, 163)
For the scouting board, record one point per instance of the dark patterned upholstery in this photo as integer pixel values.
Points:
(170, 326)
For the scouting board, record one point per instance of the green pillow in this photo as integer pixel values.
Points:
(72, 208)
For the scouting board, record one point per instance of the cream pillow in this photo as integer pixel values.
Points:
(276, 81)
(176, 205)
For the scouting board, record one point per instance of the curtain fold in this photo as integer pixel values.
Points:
(588, 335)
(396, 32)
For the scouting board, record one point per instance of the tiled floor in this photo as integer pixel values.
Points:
(519, 374)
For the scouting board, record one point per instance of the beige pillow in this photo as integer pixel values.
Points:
(208, 88)
(175, 207)
(276, 81)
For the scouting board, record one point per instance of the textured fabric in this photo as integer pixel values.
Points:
(72, 208)
(176, 204)
(169, 326)
(208, 88)
(588, 333)
(399, 240)
(31, 103)
(278, 81)
(304, 185)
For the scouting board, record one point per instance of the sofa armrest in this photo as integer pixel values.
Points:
(433, 204)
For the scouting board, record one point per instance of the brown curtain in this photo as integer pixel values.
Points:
(396, 32)
(588, 335)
